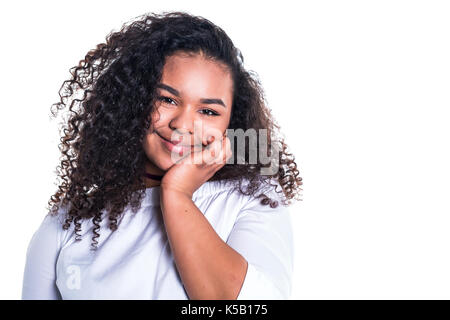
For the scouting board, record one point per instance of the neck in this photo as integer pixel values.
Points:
(153, 175)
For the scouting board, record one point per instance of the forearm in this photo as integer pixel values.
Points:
(209, 268)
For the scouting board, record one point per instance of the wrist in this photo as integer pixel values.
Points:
(173, 193)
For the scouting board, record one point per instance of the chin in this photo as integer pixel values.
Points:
(163, 163)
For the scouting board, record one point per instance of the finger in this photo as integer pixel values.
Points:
(213, 134)
(213, 151)
(225, 152)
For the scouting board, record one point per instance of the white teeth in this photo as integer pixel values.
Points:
(180, 148)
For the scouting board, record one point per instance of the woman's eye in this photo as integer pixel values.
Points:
(210, 112)
(165, 99)
(207, 112)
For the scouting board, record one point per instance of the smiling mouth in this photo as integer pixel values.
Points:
(179, 148)
(177, 143)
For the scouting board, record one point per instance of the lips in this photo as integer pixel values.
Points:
(174, 146)
(168, 140)
(185, 146)
(172, 141)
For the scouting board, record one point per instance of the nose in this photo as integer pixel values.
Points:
(182, 124)
(183, 121)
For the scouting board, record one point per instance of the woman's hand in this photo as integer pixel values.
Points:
(208, 267)
(189, 173)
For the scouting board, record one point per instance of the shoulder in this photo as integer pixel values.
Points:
(228, 195)
(267, 201)
(50, 232)
(231, 188)
(265, 217)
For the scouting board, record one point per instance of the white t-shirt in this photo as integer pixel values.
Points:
(135, 261)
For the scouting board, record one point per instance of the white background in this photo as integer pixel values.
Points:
(360, 89)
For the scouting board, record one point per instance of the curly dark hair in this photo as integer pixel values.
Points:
(110, 96)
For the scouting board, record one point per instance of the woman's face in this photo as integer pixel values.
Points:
(193, 93)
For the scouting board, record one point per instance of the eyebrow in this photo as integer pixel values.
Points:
(202, 100)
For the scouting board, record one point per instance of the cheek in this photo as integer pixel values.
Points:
(156, 118)
(160, 115)
(148, 144)
(216, 127)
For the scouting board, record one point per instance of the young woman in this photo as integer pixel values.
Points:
(145, 106)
